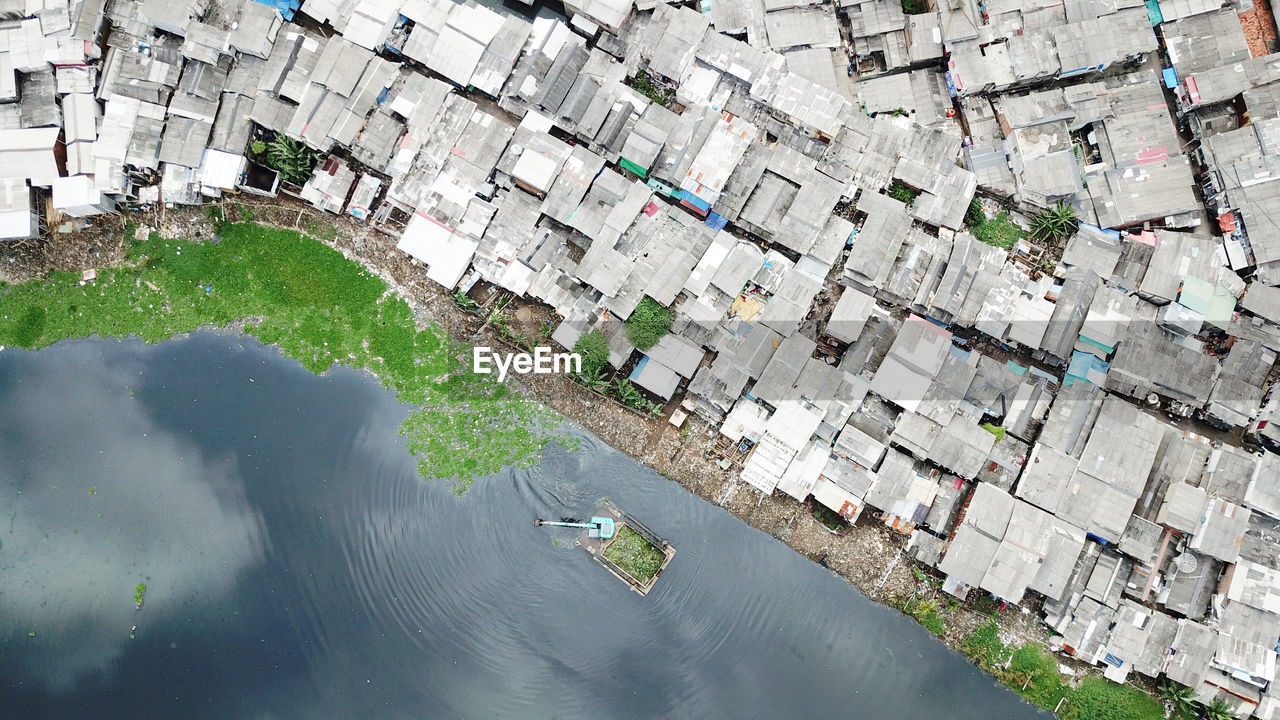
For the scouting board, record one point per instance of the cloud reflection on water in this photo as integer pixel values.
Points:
(129, 502)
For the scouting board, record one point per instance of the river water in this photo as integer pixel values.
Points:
(298, 567)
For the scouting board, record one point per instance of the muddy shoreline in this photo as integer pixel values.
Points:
(871, 557)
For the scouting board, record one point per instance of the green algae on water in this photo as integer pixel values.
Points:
(319, 308)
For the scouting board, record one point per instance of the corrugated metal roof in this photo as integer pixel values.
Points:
(184, 141)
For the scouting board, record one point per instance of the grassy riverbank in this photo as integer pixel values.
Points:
(320, 308)
(1032, 672)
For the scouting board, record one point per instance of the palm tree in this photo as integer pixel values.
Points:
(1180, 698)
(1219, 709)
(1055, 224)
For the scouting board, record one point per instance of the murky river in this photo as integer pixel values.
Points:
(296, 566)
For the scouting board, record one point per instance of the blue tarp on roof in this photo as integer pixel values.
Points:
(286, 7)
(716, 222)
(1113, 234)
(694, 200)
(635, 373)
(1040, 373)
(1106, 348)
(1170, 78)
(1086, 367)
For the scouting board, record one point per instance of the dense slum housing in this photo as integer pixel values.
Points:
(1057, 426)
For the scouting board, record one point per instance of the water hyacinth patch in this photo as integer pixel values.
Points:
(320, 309)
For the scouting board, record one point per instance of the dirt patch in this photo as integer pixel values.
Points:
(531, 324)
(100, 244)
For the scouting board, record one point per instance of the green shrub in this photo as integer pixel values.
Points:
(593, 348)
(627, 393)
(464, 302)
(1219, 709)
(984, 646)
(1179, 697)
(648, 323)
(828, 517)
(932, 622)
(999, 231)
(657, 92)
(595, 381)
(975, 215)
(900, 192)
(927, 614)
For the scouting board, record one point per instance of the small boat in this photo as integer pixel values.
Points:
(622, 545)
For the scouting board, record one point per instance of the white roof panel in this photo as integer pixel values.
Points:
(455, 56)
(536, 169)
(447, 254)
(28, 153)
(476, 21)
(16, 219)
(220, 169)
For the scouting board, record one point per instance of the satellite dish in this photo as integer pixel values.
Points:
(1186, 563)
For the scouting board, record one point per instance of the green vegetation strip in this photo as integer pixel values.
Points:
(927, 612)
(635, 555)
(999, 231)
(1033, 673)
(319, 308)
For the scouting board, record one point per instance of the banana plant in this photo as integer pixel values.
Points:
(627, 392)
(594, 380)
